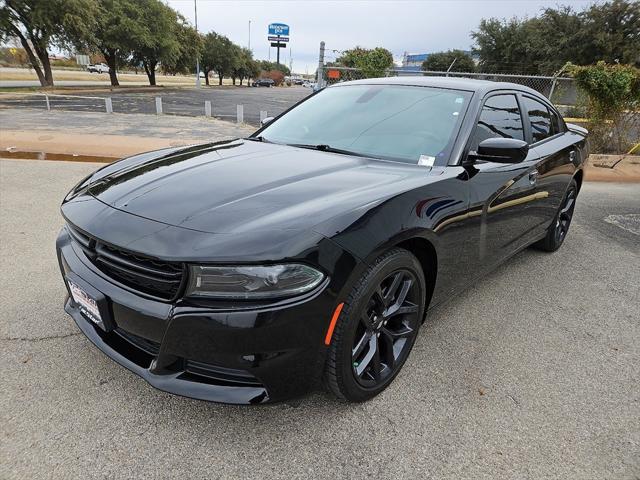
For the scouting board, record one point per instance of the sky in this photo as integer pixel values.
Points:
(414, 26)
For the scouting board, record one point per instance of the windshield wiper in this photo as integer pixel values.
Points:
(328, 148)
(259, 138)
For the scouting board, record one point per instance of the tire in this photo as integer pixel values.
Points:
(557, 231)
(381, 316)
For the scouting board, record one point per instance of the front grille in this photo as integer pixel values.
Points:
(139, 272)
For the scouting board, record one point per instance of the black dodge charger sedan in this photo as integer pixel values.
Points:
(308, 254)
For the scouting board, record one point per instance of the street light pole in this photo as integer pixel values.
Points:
(249, 35)
(195, 8)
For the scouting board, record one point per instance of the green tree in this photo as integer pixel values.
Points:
(253, 70)
(159, 41)
(217, 56)
(349, 58)
(558, 38)
(119, 24)
(613, 29)
(371, 62)
(39, 24)
(441, 61)
(237, 62)
(190, 44)
(508, 46)
(244, 66)
(543, 44)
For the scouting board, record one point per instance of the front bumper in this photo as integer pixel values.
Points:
(217, 354)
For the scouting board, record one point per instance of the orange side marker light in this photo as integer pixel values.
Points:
(332, 325)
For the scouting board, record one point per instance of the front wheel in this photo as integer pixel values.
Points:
(377, 327)
(557, 231)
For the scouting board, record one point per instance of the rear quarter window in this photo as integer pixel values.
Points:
(540, 117)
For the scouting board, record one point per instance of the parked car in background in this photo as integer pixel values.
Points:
(98, 68)
(264, 82)
(254, 270)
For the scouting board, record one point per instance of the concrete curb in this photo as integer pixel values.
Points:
(117, 146)
(613, 168)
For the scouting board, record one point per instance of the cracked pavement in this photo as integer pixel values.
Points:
(532, 373)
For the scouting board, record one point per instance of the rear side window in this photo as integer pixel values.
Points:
(500, 117)
(556, 125)
(541, 124)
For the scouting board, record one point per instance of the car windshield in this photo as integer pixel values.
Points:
(397, 122)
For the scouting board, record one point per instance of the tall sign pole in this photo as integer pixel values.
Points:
(278, 36)
(195, 8)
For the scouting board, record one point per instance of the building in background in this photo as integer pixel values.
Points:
(413, 60)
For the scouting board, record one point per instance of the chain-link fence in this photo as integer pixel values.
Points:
(560, 90)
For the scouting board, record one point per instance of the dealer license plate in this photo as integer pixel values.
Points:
(87, 304)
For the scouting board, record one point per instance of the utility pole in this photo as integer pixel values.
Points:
(249, 35)
(320, 76)
(195, 8)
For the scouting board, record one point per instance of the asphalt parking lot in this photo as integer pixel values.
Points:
(175, 101)
(532, 373)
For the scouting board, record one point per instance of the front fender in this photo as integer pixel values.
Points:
(436, 212)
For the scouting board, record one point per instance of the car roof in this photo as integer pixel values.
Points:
(456, 83)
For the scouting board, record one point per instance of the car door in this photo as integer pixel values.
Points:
(547, 134)
(506, 197)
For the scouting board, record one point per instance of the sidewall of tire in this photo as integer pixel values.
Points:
(339, 374)
(549, 243)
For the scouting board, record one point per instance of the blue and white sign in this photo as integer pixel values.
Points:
(279, 29)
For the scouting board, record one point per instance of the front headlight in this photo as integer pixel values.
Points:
(251, 282)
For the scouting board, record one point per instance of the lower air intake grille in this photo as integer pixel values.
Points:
(148, 346)
(205, 372)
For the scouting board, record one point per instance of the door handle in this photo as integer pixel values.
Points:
(533, 177)
(572, 156)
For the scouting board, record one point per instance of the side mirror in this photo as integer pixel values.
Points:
(265, 121)
(501, 150)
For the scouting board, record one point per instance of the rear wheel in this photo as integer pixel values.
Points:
(377, 327)
(559, 228)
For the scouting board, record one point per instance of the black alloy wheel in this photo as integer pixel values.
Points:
(377, 327)
(563, 220)
(386, 325)
(559, 228)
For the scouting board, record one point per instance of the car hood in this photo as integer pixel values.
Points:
(240, 186)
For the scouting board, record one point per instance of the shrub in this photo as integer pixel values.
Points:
(276, 75)
(613, 103)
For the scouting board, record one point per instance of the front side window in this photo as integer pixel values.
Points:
(500, 117)
(396, 122)
(540, 118)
